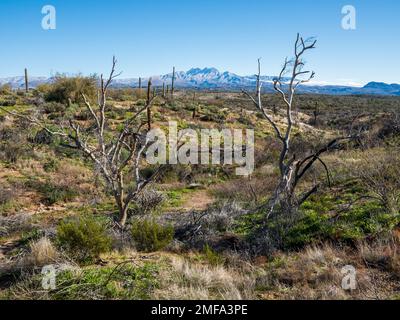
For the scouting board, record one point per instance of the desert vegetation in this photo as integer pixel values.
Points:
(76, 193)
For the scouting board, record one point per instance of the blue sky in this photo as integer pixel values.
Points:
(149, 37)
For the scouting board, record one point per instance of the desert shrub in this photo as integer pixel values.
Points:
(248, 191)
(391, 126)
(42, 89)
(364, 220)
(213, 113)
(51, 165)
(246, 120)
(54, 192)
(126, 282)
(13, 144)
(68, 89)
(9, 102)
(53, 107)
(148, 201)
(222, 218)
(6, 195)
(43, 137)
(212, 257)
(15, 223)
(380, 176)
(123, 282)
(150, 236)
(323, 217)
(84, 238)
(10, 152)
(124, 94)
(5, 89)
(220, 227)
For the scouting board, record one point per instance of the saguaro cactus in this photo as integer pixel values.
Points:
(26, 81)
(173, 82)
(148, 104)
(163, 89)
(194, 105)
(316, 113)
(140, 86)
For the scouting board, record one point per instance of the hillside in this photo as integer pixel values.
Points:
(209, 245)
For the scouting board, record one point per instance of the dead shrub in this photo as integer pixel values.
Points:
(19, 222)
(379, 172)
(148, 201)
(248, 190)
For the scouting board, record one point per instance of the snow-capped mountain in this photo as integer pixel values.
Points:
(19, 82)
(211, 78)
(206, 78)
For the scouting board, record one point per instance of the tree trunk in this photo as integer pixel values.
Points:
(123, 216)
(122, 208)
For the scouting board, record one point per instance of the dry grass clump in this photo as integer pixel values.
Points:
(41, 253)
(191, 280)
(383, 256)
(311, 274)
(316, 273)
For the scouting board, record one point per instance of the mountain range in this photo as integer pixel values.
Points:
(213, 79)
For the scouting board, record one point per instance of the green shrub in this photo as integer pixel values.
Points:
(115, 282)
(43, 137)
(150, 236)
(8, 102)
(53, 107)
(5, 89)
(362, 221)
(53, 193)
(85, 238)
(213, 258)
(51, 165)
(127, 282)
(68, 89)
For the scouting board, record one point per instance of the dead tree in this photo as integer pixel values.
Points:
(292, 170)
(117, 156)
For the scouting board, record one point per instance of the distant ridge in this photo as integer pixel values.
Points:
(213, 79)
